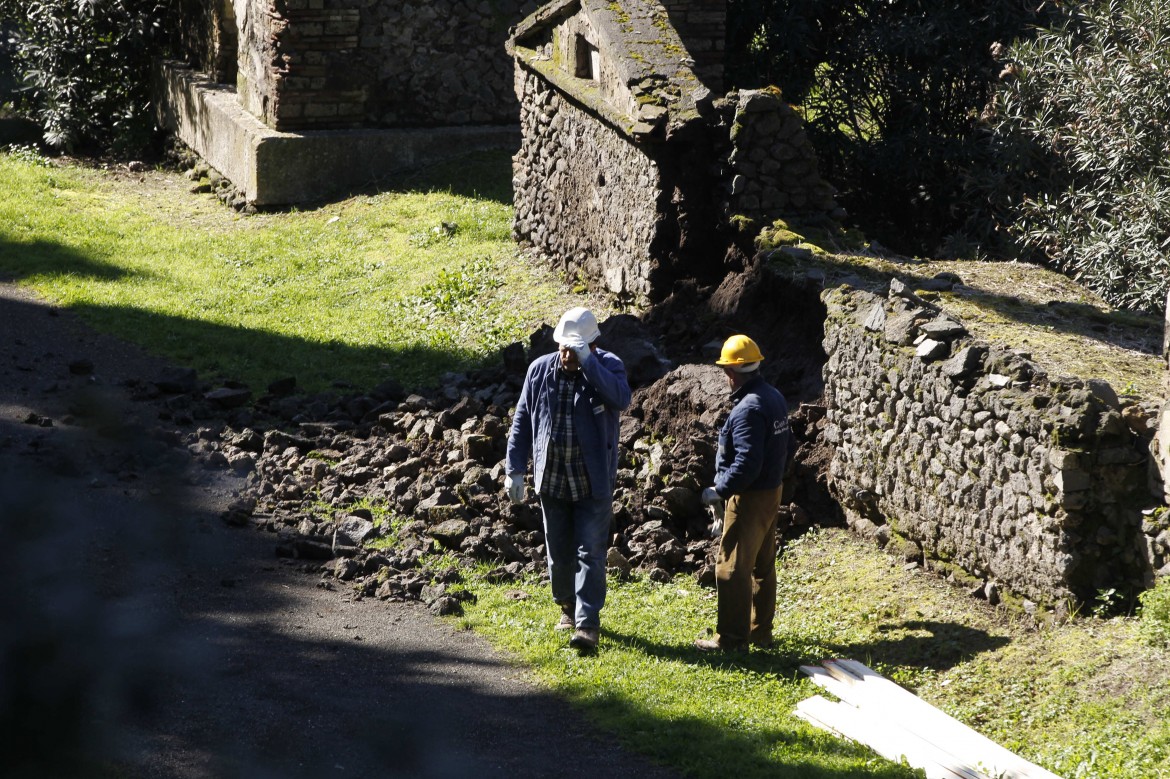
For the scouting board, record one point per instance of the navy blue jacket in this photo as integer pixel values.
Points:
(755, 442)
(597, 408)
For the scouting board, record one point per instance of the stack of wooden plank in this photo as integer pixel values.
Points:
(899, 725)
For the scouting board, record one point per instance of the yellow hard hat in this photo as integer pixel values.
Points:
(739, 350)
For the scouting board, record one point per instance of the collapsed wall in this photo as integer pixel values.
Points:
(771, 169)
(970, 456)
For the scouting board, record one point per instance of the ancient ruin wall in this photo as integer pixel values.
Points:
(702, 25)
(257, 74)
(972, 453)
(585, 196)
(772, 165)
(1160, 446)
(325, 64)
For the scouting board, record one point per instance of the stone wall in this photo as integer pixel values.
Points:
(702, 25)
(586, 197)
(257, 57)
(1160, 446)
(327, 64)
(974, 460)
(772, 165)
(206, 33)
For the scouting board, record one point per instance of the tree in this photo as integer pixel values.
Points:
(84, 68)
(1080, 133)
(891, 91)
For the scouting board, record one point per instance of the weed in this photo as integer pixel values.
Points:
(1105, 602)
(1154, 625)
(29, 155)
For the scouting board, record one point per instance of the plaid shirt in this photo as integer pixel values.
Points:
(565, 476)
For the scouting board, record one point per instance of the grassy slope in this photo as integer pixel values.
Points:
(370, 287)
(319, 293)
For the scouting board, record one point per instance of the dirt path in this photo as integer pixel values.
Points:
(147, 635)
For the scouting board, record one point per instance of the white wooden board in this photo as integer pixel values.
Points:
(896, 723)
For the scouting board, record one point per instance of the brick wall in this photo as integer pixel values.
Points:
(702, 25)
(342, 64)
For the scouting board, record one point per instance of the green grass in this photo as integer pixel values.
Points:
(404, 284)
(376, 286)
(1084, 699)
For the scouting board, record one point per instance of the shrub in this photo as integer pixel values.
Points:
(891, 93)
(1081, 125)
(84, 68)
(1154, 627)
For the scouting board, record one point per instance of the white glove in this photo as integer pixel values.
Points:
(581, 349)
(514, 485)
(715, 503)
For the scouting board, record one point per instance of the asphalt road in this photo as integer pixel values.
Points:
(142, 637)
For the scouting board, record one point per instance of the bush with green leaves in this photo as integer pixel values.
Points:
(84, 68)
(1154, 627)
(891, 91)
(1081, 128)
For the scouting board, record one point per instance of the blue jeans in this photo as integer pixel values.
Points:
(576, 536)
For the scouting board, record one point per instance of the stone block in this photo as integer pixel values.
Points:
(282, 168)
(1072, 480)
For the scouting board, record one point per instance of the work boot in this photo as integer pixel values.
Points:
(585, 639)
(713, 645)
(566, 621)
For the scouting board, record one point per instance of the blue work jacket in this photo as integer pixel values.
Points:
(755, 441)
(597, 406)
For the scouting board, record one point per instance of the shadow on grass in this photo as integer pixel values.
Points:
(26, 260)
(485, 175)
(788, 749)
(257, 357)
(1135, 331)
(935, 645)
(944, 645)
(224, 352)
(254, 358)
(482, 175)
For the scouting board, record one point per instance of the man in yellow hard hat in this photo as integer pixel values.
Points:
(754, 446)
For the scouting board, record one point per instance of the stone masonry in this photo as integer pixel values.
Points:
(631, 172)
(330, 64)
(1160, 446)
(771, 170)
(587, 197)
(977, 462)
(702, 25)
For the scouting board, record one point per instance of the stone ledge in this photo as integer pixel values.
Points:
(283, 168)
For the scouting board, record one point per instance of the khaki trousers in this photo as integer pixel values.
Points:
(745, 569)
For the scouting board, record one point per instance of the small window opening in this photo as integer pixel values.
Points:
(588, 60)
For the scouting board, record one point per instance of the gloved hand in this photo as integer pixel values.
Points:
(715, 504)
(514, 485)
(581, 349)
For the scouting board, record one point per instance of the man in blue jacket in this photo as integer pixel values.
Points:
(566, 421)
(754, 445)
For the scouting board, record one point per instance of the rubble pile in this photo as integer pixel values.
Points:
(395, 494)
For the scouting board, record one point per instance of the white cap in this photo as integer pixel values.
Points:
(747, 367)
(578, 326)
